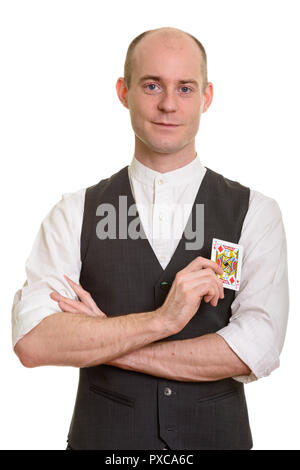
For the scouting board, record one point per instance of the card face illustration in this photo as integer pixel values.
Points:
(229, 257)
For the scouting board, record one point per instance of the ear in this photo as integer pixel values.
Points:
(207, 98)
(122, 91)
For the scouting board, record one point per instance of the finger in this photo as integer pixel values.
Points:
(199, 274)
(221, 289)
(205, 286)
(59, 298)
(207, 298)
(87, 303)
(212, 295)
(203, 273)
(84, 296)
(72, 305)
(200, 263)
(215, 298)
(66, 308)
(77, 288)
(219, 284)
(214, 287)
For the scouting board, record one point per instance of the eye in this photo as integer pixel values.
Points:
(151, 87)
(185, 89)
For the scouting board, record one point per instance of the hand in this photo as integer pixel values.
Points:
(85, 304)
(196, 281)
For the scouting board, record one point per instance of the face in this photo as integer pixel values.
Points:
(165, 98)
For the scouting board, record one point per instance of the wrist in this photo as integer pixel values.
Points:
(167, 326)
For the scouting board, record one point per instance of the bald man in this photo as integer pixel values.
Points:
(116, 288)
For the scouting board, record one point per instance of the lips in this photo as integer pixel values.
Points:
(165, 124)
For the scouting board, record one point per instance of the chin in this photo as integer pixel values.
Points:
(160, 147)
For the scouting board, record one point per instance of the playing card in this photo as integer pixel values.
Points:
(229, 257)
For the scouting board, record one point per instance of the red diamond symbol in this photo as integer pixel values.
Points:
(231, 280)
(220, 249)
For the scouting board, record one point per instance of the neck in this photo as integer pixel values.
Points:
(164, 162)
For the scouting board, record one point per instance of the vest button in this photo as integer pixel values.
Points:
(164, 285)
(167, 391)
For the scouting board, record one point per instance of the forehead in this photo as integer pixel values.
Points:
(167, 55)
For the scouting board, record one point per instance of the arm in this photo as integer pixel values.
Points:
(42, 334)
(253, 339)
(248, 348)
(70, 338)
(73, 339)
(257, 327)
(206, 358)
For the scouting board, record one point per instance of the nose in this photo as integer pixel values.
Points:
(167, 102)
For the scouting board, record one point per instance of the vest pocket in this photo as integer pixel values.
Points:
(205, 425)
(219, 418)
(111, 419)
(114, 396)
(216, 397)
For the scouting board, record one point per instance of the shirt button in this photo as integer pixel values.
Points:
(167, 391)
(160, 181)
(161, 217)
(164, 285)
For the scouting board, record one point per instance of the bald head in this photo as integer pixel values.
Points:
(173, 39)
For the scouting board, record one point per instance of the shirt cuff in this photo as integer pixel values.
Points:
(257, 366)
(28, 313)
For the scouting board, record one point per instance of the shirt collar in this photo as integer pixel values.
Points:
(144, 174)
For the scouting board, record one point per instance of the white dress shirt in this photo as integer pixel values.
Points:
(257, 327)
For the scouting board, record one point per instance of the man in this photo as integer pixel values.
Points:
(163, 348)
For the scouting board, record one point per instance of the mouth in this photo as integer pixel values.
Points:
(163, 124)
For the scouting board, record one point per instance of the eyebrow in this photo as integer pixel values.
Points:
(159, 79)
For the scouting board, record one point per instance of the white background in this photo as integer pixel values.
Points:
(63, 128)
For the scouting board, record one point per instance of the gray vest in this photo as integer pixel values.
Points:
(120, 409)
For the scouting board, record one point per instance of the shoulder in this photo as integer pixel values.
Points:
(263, 229)
(226, 183)
(234, 193)
(263, 207)
(74, 199)
(259, 203)
(115, 180)
(68, 210)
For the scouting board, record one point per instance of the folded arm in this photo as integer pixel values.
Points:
(248, 348)
(43, 334)
(251, 342)
(205, 358)
(73, 339)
